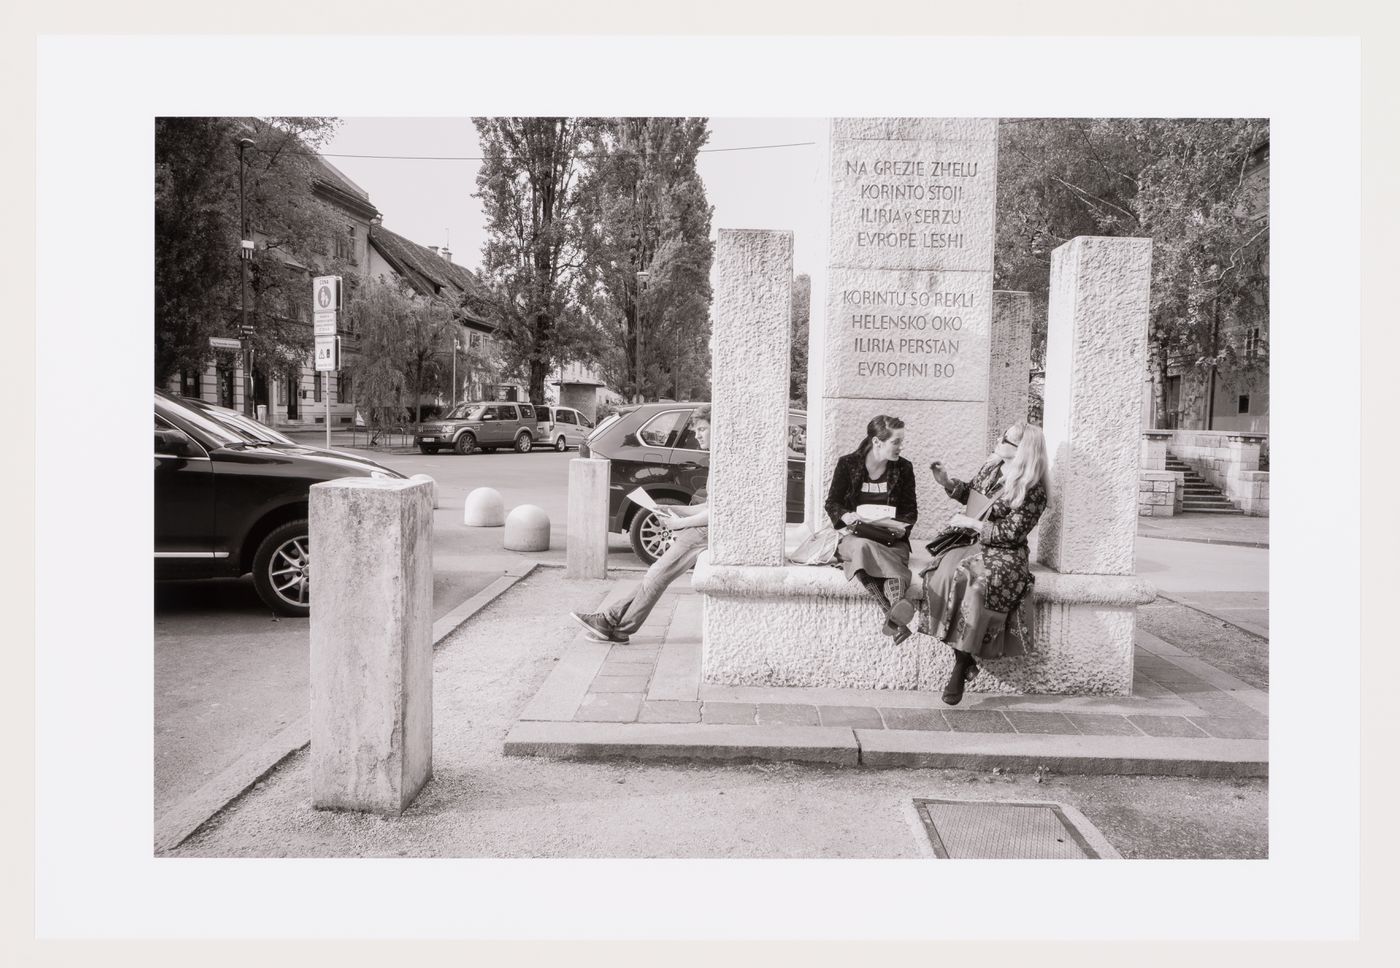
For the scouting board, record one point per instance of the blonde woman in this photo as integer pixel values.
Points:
(977, 599)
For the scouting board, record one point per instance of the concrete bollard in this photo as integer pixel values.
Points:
(484, 509)
(586, 555)
(371, 643)
(527, 529)
(429, 479)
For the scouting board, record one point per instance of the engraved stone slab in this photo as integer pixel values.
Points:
(914, 129)
(908, 335)
(1009, 389)
(953, 432)
(1096, 352)
(913, 204)
(749, 348)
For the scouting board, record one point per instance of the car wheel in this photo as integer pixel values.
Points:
(427, 449)
(466, 443)
(561, 444)
(282, 569)
(649, 537)
(523, 444)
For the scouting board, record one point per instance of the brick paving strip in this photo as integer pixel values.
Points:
(645, 699)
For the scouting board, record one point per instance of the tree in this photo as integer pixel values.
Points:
(1180, 182)
(801, 327)
(197, 270)
(649, 213)
(535, 257)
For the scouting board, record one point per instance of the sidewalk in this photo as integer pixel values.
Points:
(645, 700)
(1230, 529)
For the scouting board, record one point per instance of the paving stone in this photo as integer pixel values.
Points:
(1166, 726)
(803, 744)
(978, 721)
(860, 716)
(735, 713)
(615, 668)
(609, 707)
(902, 718)
(669, 711)
(606, 684)
(787, 714)
(1040, 722)
(1091, 725)
(1223, 728)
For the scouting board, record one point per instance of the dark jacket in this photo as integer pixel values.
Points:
(844, 493)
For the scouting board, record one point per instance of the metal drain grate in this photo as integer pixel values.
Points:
(992, 830)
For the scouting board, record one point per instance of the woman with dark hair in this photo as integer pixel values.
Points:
(878, 556)
(977, 598)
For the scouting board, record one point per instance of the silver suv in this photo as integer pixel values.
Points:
(481, 425)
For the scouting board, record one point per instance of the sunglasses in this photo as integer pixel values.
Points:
(1008, 442)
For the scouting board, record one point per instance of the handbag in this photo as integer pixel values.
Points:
(874, 532)
(978, 504)
(818, 548)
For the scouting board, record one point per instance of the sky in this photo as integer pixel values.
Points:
(431, 202)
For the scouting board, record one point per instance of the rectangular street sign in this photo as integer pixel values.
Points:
(325, 294)
(325, 353)
(224, 343)
(324, 323)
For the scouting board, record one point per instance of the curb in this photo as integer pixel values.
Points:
(889, 748)
(183, 820)
(1215, 541)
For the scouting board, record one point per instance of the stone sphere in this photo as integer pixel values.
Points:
(429, 479)
(484, 509)
(527, 529)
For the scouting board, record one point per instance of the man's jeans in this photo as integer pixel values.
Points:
(628, 615)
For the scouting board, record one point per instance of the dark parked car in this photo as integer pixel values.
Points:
(481, 425)
(256, 432)
(652, 446)
(226, 505)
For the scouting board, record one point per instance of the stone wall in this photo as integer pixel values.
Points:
(1230, 461)
(1160, 494)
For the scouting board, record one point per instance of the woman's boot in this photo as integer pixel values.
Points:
(964, 668)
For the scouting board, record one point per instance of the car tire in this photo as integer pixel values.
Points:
(561, 444)
(466, 443)
(427, 449)
(649, 539)
(524, 443)
(282, 569)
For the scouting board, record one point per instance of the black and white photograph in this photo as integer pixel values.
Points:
(623, 497)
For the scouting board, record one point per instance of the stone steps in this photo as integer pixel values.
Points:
(1199, 496)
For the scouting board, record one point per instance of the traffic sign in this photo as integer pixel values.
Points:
(224, 343)
(325, 294)
(325, 353)
(324, 323)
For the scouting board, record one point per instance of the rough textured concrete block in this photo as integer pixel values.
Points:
(749, 347)
(1095, 355)
(371, 643)
(527, 529)
(429, 479)
(918, 129)
(484, 509)
(587, 549)
(1009, 370)
(953, 432)
(907, 335)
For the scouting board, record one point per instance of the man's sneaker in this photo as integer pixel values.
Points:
(598, 628)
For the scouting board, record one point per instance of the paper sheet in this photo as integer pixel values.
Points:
(642, 498)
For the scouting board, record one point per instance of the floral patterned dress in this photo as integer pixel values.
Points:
(977, 599)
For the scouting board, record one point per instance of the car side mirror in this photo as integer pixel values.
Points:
(173, 442)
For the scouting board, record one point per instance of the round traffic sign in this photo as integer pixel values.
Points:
(323, 297)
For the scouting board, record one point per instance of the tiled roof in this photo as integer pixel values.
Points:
(429, 273)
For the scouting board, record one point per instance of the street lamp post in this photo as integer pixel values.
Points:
(245, 254)
(642, 277)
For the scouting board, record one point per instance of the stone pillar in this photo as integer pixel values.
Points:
(1154, 449)
(586, 554)
(371, 643)
(1095, 354)
(1009, 389)
(1244, 451)
(749, 345)
(909, 295)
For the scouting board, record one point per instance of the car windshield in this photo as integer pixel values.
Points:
(465, 411)
(249, 428)
(219, 434)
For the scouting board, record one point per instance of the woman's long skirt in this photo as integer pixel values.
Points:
(955, 609)
(876, 560)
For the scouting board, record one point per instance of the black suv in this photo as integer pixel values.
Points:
(228, 504)
(652, 446)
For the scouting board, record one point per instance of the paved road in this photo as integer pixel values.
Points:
(1224, 580)
(229, 675)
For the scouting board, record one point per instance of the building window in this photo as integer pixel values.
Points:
(343, 389)
(189, 383)
(1244, 403)
(345, 246)
(1252, 343)
(316, 387)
